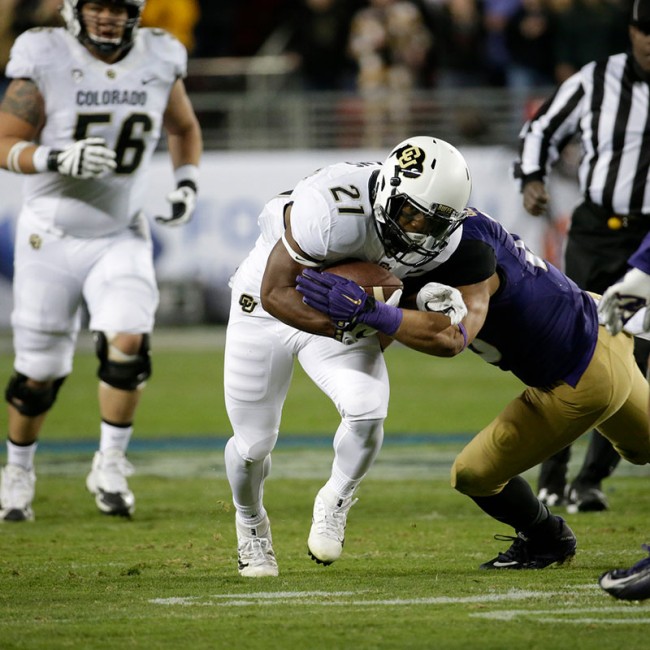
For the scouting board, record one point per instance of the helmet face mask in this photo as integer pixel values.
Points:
(71, 12)
(422, 192)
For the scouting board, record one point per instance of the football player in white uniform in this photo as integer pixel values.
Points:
(81, 119)
(368, 211)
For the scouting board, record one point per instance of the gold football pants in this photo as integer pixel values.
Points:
(611, 396)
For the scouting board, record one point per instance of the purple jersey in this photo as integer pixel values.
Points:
(540, 326)
(640, 259)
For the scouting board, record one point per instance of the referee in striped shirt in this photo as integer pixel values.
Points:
(607, 105)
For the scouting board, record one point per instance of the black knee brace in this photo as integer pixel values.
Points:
(31, 401)
(123, 375)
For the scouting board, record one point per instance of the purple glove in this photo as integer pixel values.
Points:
(346, 303)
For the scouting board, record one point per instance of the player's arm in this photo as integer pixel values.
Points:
(185, 143)
(184, 137)
(441, 325)
(430, 332)
(278, 293)
(22, 115)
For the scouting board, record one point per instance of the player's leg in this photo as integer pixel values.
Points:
(43, 361)
(628, 429)
(45, 323)
(258, 366)
(601, 458)
(122, 297)
(532, 427)
(488, 471)
(356, 379)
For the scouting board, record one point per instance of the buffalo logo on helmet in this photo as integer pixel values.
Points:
(410, 159)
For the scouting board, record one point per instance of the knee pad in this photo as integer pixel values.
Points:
(473, 483)
(253, 448)
(31, 401)
(124, 375)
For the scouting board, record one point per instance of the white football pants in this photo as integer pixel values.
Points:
(259, 356)
(54, 275)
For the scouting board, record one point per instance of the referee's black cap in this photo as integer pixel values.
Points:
(640, 14)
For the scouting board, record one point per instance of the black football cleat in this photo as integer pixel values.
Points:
(535, 553)
(629, 584)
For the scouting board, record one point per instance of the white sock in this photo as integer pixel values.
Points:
(340, 484)
(21, 455)
(251, 520)
(114, 436)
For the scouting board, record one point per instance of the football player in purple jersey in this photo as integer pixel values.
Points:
(526, 317)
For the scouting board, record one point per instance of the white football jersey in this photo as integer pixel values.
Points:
(331, 220)
(121, 102)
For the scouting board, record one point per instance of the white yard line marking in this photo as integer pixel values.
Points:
(347, 598)
(568, 615)
(622, 614)
(254, 598)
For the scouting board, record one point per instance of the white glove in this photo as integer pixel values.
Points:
(363, 331)
(622, 300)
(89, 158)
(183, 200)
(434, 296)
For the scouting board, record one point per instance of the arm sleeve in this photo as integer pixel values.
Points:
(310, 223)
(168, 49)
(24, 54)
(555, 123)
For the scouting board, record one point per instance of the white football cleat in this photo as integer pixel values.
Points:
(16, 493)
(255, 555)
(327, 532)
(107, 481)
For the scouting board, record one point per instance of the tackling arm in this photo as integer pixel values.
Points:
(430, 332)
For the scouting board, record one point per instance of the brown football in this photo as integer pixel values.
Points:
(375, 280)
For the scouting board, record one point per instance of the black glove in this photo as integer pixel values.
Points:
(183, 200)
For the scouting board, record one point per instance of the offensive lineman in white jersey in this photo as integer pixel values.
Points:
(369, 211)
(82, 117)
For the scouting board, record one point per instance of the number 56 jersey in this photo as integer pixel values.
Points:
(122, 102)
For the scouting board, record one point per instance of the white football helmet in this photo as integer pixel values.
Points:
(71, 13)
(432, 176)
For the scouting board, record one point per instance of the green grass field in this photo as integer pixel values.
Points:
(408, 577)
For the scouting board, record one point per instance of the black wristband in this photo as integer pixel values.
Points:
(530, 178)
(188, 183)
(52, 160)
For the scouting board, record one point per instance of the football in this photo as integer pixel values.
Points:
(374, 279)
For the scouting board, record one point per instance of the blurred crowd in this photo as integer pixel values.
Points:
(342, 44)
(374, 44)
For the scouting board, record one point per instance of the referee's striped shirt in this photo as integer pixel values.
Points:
(607, 104)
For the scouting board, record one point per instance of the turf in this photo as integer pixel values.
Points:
(408, 577)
